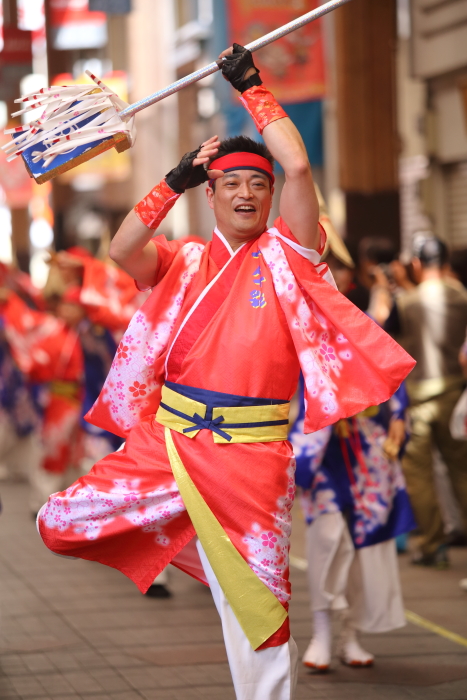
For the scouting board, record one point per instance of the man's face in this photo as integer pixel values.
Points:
(241, 201)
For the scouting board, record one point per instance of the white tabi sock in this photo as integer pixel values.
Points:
(350, 651)
(318, 654)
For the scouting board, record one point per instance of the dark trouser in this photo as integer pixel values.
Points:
(430, 426)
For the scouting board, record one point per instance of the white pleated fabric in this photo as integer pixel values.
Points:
(364, 581)
(269, 674)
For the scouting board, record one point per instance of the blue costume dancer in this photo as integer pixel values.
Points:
(355, 504)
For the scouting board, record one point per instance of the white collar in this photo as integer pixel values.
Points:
(224, 241)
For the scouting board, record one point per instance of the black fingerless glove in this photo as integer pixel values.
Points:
(185, 176)
(236, 65)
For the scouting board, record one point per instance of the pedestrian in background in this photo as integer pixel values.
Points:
(430, 321)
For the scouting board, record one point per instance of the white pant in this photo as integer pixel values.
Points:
(364, 581)
(269, 674)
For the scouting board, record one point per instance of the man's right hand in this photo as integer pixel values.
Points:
(190, 172)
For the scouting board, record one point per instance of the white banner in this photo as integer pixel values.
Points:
(31, 15)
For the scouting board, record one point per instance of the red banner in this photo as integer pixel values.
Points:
(292, 67)
(75, 27)
(1, 25)
(17, 46)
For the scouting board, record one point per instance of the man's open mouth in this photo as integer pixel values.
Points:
(245, 208)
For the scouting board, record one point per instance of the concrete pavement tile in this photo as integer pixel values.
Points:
(216, 675)
(54, 684)
(406, 646)
(122, 659)
(63, 660)
(200, 693)
(151, 677)
(149, 617)
(155, 636)
(38, 663)
(12, 664)
(6, 688)
(24, 643)
(123, 695)
(182, 655)
(27, 686)
(109, 679)
(445, 691)
(82, 682)
(64, 697)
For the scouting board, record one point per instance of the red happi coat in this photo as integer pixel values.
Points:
(241, 323)
(48, 352)
(109, 295)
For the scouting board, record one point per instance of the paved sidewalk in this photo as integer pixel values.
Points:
(76, 630)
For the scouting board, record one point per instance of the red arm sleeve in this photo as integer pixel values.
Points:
(166, 252)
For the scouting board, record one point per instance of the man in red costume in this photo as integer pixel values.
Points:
(201, 384)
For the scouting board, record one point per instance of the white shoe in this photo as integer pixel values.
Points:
(350, 651)
(463, 584)
(318, 654)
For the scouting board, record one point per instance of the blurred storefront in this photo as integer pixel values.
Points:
(378, 91)
(128, 43)
(439, 60)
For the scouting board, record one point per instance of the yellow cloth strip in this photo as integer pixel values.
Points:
(182, 404)
(70, 390)
(257, 609)
(231, 414)
(437, 629)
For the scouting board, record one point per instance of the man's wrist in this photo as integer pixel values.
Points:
(252, 81)
(153, 208)
(262, 106)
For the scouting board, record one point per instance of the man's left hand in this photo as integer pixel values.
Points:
(237, 66)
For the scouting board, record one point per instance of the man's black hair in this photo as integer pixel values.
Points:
(243, 144)
(431, 252)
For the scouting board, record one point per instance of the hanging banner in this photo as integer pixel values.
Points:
(15, 61)
(292, 67)
(31, 15)
(1, 25)
(75, 27)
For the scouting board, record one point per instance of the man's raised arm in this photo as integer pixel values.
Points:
(131, 246)
(298, 205)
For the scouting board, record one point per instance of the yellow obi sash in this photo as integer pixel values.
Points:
(258, 611)
(67, 389)
(231, 418)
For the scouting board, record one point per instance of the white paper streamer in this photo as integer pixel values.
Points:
(64, 108)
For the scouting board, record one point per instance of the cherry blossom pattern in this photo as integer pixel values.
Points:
(374, 490)
(268, 548)
(89, 511)
(315, 337)
(132, 388)
(138, 389)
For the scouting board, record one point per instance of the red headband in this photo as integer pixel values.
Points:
(243, 161)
